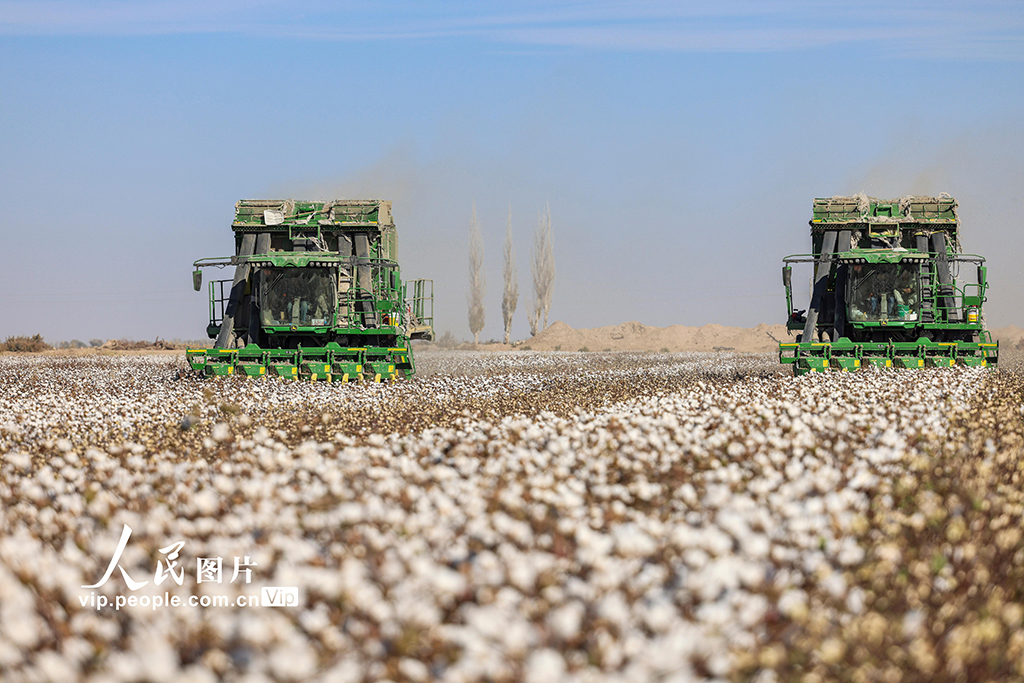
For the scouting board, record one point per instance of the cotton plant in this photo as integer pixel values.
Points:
(518, 516)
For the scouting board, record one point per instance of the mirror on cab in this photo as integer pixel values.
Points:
(197, 279)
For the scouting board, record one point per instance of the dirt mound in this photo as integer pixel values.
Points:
(635, 336)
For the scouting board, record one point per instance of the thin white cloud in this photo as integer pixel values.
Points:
(986, 30)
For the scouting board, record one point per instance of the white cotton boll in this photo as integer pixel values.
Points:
(687, 494)
(734, 523)
(719, 663)
(889, 553)
(913, 623)
(750, 574)
(708, 583)
(197, 673)
(735, 449)
(487, 620)
(631, 541)
(293, 661)
(350, 513)
(348, 670)
(544, 666)
(855, 600)
(55, 668)
(793, 603)
(206, 502)
(77, 650)
(716, 614)
(716, 495)
(255, 631)
(756, 546)
(565, 621)
(850, 553)
(613, 608)
(522, 574)
(19, 623)
(834, 584)
(315, 620)
(716, 542)
(519, 635)
(224, 485)
(20, 461)
(794, 469)
(121, 666)
(751, 610)
(220, 432)
(695, 558)
(685, 536)
(765, 676)
(685, 675)
(161, 661)
(662, 656)
(447, 583)
(659, 614)
(413, 669)
(487, 569)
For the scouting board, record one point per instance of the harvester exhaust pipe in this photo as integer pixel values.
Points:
(922, 242)
(821, 270)
(945, 278)
(364, 280)
(262, 247)
(227, 325)
(839, 310)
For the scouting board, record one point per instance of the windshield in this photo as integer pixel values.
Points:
(298, 296)
(884, 291)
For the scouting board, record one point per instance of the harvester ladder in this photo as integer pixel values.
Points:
(927, 303)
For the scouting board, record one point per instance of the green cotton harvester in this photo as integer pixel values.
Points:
(890, 288)
(317, 295)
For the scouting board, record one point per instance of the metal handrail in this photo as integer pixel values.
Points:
(223, 300)
(422, 303)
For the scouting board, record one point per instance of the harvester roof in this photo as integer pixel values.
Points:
(936, 213)
(289, 215)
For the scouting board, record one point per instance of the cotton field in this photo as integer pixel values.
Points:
(503, 517)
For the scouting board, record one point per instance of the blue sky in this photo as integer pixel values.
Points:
(679, 145)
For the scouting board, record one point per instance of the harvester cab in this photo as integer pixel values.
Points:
(317, 294)
(890, 287)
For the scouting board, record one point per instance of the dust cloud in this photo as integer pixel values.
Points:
(984, 171)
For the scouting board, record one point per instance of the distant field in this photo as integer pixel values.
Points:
(519, 515)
